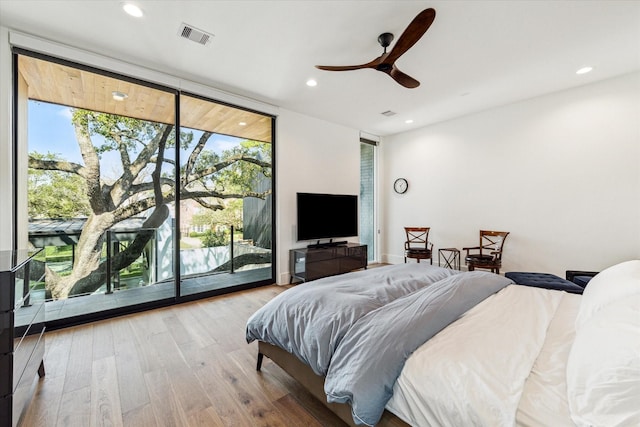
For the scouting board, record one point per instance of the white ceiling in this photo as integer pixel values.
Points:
(476, 55)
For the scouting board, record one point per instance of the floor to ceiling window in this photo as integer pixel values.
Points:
(367, 196)
(226, 194)
(130, 204)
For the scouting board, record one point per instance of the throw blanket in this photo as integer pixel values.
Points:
(310, 320)
(371, 355)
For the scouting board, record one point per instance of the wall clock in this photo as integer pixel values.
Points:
(400, 186)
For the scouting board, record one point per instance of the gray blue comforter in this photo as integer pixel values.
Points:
(309, 320)
(371, 355)
(358, 329)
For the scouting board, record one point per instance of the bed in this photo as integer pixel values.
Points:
(419, 345)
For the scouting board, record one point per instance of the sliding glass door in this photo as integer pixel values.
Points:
(131, 205)
(99, 189)
(226, 195)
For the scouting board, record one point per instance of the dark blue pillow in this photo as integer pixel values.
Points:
(544, 280)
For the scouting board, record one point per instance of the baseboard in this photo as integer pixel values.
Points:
(284, 278)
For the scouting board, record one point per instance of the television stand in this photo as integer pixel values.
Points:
(307, 264)
(329, 244)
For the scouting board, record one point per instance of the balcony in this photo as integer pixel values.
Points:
(148, 281)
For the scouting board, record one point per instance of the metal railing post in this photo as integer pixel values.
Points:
(231, 250)
(109, 262)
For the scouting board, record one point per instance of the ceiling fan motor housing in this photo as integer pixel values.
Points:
(385, 40)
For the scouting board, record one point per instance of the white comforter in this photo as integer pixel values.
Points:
(502, 364)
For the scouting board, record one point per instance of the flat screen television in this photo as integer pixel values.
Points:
(327, 216)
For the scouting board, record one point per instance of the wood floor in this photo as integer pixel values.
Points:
(185, 365)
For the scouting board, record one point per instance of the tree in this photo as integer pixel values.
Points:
(230, 215)
(146, 185)
(55, 194)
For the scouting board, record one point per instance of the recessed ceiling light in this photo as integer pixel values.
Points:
(119, 96)
(584, 70)
(132, 10)
(312, 83)
(408, 121)
(242, 124)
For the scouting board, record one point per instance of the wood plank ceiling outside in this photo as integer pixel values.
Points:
(64, 85)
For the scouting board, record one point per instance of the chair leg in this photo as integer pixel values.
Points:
(405, 260)
(431, 259)
(418, 260)
(470, 267)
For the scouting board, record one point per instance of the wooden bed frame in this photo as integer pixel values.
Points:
(315, 384)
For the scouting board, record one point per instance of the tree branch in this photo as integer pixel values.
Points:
(149, 150)
(193, 157)
(155, 160)
(122, 188)
(231, 160)
(245, 259)
(147, 186)
(207, 205)
(133, 209)
(156, 175)
(185, 194)
(58, 165)
(140, 206)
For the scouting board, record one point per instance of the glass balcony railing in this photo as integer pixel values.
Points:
(126, 276)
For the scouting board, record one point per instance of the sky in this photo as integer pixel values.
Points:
(50, 131)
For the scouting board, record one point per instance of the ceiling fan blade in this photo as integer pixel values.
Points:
(403, 79)
(340, 67)
(414, 31)
(371, 64)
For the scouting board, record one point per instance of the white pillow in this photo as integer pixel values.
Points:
(603, 369)
(611, 284)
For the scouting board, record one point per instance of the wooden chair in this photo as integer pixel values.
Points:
(417, 245)
(489, 252)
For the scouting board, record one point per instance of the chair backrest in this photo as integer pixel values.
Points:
(417, 237)
(492, 241)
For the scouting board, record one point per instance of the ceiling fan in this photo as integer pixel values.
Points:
(386, 61)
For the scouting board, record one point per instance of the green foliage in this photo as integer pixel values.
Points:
(238, 177)
(215, 238)
(56, 194)
(230, 215)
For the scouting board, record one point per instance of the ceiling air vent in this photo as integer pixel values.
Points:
(191, 33)
(388, 113)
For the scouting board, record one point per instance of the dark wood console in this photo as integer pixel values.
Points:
(21, 336)
(314, 263)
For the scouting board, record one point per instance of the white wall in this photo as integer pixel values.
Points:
(6, 167)
(560, 172)
(313, 156)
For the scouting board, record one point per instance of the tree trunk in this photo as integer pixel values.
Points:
(87, 256)
(89, 273)
(97, 277)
